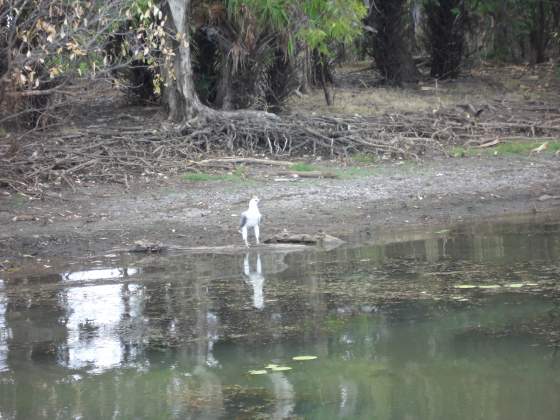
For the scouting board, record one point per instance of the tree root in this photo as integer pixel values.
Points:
(109, 152)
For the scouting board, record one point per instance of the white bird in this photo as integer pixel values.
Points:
(251, 218)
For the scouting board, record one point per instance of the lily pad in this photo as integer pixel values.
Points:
(516, 285)
(258, 372)
(304, 358)
(280, 368)
(271, 366)
(489, 286)
(465, 286)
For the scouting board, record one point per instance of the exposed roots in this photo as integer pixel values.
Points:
(112, 152)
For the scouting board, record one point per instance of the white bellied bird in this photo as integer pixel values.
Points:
(251, 218)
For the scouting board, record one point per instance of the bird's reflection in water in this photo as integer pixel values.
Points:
(255, 279)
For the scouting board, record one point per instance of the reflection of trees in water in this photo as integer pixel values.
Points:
(179, 329)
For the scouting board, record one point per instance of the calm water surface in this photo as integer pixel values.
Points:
(455, 324)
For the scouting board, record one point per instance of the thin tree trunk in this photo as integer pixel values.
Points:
(224, 97)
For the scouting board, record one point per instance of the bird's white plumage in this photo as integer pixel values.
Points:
(251, 218)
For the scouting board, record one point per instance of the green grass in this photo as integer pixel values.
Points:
(511, 147)
(17, 201)
(354, 172)
(238, 175)
(364, 158)
(303, 167)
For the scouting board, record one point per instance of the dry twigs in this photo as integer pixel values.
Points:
(111, 152)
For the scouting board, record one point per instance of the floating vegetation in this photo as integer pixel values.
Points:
(304, 358)
(493, 286)
(258, 372)
(280, 368)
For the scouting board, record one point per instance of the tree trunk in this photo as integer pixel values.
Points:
(446, 36)
(538, 34)
(555, 7)
(324, 76)
(182, 100)
(390, 48)
(224, 96)
(180, 95)
(503, 36)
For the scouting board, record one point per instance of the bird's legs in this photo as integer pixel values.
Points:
(244, 235)
(257, 233)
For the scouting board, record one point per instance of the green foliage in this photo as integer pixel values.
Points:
(328, 21)
(519, 21)
(315, 22)
(267, 12)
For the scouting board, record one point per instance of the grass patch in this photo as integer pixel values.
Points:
(303, 167)
(236, 176)
(17, 201)
(509, 147)
(364, 158)
(354, 172)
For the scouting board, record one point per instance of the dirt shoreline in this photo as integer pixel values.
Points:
(391, 197)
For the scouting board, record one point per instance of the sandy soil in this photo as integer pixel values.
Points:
(391, 197)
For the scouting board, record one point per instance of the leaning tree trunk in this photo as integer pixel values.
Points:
(390, 47)
(180, 94)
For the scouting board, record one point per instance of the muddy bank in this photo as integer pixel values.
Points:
(392, 197)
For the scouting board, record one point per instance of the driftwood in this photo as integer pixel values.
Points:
(318, 239)
(151, 248)
(283, 242)
(147, 247)
(236, 160)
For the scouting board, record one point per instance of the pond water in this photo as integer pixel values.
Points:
(462, 323)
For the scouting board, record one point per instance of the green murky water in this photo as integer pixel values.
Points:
(396, 334)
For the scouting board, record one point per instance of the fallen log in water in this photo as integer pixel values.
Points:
(319, 239)
(283, 242)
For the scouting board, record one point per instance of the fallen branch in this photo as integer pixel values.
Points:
(234, 160)
(308, 174)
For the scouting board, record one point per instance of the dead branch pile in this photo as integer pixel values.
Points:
(112, 152)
